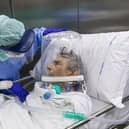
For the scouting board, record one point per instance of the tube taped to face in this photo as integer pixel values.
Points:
(68, 39)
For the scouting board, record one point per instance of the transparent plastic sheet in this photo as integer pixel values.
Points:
(56, 41)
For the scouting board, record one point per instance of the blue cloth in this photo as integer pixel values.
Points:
(16, 90)
(53, 30)
(9, 69)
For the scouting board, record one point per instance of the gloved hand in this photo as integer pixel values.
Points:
(16, 90)
(53, 30)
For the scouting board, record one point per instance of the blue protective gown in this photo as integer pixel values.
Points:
(10, 69)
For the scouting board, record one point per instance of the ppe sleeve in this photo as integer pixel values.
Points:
(53, 30)
(16, 90)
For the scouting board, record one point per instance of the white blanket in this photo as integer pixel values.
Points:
(43, 114)
(13, 116)
(51, 114)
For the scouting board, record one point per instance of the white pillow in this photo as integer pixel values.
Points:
(105, 59)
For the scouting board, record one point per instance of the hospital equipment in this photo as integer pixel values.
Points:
(16, 90)
(46, 90)
(75, 81)
(74, 115)
(103, 112)
(43, 90)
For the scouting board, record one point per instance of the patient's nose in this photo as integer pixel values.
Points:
(50, 66)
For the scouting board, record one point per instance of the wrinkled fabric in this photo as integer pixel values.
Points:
(43, 114)
(13, 116)
(51, 114)
(9, 69)
(11, 30)
(3, 55)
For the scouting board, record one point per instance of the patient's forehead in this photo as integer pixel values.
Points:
(61, 59)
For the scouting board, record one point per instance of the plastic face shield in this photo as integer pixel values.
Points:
(57, 41)
(24, 44)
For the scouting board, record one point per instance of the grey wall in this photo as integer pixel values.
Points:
(85, 16)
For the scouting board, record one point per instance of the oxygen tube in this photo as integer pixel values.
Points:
(66, 114)
(74, 115)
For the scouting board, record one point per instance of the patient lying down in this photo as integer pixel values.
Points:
(50, 111)
(57, 111)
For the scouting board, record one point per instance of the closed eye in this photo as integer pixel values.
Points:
(56, 62)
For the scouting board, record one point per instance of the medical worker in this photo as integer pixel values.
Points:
(17, 47)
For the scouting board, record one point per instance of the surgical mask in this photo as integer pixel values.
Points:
(13, 54)
(3, 55)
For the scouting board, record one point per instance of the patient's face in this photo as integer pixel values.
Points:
(59, 67)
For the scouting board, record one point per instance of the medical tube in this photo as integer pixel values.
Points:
(74, 115)
(57, 88)
(68, 88)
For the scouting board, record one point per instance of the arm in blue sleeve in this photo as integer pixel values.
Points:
(16, 90)
(53, 30)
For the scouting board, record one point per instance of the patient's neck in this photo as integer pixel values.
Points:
(64, 86)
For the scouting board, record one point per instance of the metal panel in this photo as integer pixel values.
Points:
(5, 7)
(103, 15)
(85, 16)
(47, 13)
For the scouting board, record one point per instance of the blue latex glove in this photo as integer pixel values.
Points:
(16, 90)
(53, 30)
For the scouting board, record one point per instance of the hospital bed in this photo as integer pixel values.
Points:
(97, 112)
(100, 107)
